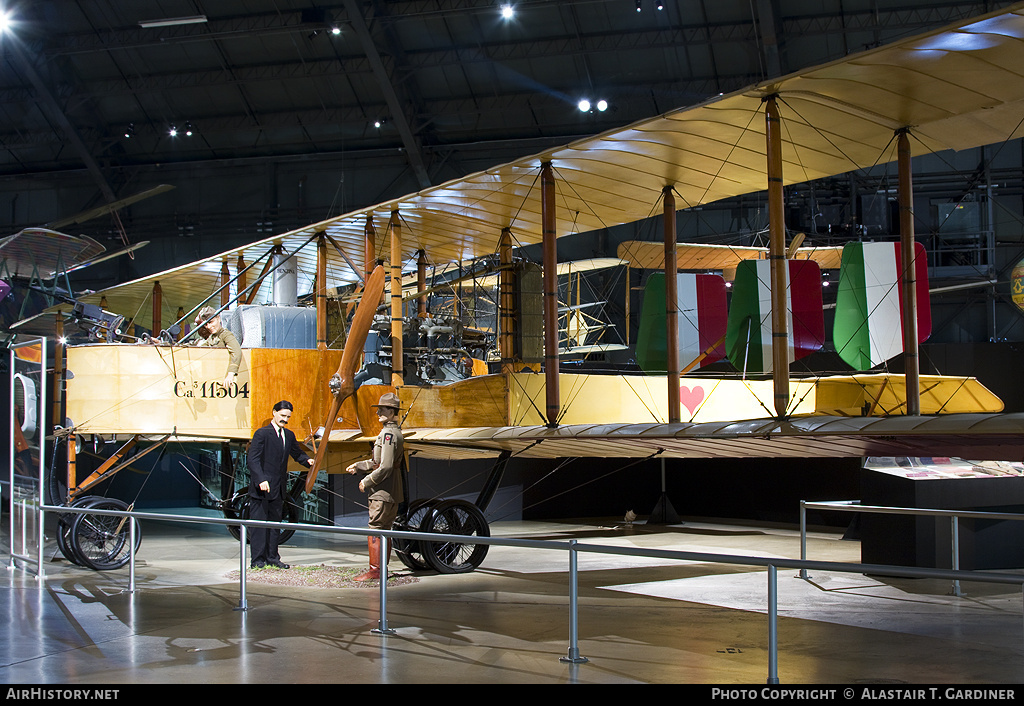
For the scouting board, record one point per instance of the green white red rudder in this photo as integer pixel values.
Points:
(868, 327)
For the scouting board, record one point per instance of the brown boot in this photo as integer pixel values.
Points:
(373, 549)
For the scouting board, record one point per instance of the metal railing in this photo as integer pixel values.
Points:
(573, 547)
(855, 506)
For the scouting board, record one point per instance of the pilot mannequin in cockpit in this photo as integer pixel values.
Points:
(212, 333)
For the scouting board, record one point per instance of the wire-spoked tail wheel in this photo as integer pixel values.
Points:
(238, 508)
(410, 551)
(102, 541)
(455, 517)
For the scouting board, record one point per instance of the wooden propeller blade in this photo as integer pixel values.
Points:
(361, 321)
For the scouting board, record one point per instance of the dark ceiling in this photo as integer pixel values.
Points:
(90, 96)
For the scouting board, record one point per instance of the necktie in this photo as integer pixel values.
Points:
(280, 432)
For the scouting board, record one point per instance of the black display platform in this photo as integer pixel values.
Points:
(905, 540)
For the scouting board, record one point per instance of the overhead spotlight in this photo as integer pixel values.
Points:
(188, 129)
(638, 6)
(173, 132)
(507, 11)
(584, 106)
(378, 123)
(602, 105)
(129, 132)
(659, 5)
(5, 21)
(335, 31)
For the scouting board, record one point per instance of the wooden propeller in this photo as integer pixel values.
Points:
(343, 382)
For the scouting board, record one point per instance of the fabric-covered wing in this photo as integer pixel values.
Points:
(975, 436)
(955, 88)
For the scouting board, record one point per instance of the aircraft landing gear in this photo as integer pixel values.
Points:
(439, 516)
(442, 517)
(100, 542)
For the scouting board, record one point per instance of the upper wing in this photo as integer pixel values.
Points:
(954, 88)
(44, 253)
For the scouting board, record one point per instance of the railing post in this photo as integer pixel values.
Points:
(131, 555)
(382, 623)
(243, 540)
(955, 538)
(574, 651)
(803, 537)
(40, 539)
(773, 625)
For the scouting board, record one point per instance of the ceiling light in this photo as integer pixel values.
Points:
(173, 21)
(602, 105)
(660, 5)
(583, 105)
(378, 123)
(188, 129)
(507, 11)
(335, 30)
(129, 131)
(638, 8)
(5, 21)
(173, 132)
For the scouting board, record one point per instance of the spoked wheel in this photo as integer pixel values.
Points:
(238, 508)
(455, 517)
(102, 541)
(64, 528)
(410, 552)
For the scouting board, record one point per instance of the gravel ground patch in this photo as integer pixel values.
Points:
(319, 576)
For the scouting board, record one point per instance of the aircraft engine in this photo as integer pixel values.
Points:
(433, 350)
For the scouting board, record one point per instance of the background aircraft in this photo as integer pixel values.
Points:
(36, 265)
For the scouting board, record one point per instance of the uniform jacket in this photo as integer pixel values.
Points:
(384, 481)
(268, 460)
(225, 339)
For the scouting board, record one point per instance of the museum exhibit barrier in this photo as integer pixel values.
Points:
(23, 481)
(855, 506)
(572, 547)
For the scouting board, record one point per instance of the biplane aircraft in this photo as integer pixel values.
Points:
(954, 88)
(36, 264)
(36, 298)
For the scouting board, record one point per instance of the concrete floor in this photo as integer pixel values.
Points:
(641, 620)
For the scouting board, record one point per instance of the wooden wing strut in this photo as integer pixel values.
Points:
(343, 382)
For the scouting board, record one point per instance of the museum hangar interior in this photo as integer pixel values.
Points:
(268, 115)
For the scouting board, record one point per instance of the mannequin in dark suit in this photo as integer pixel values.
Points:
(268, 474)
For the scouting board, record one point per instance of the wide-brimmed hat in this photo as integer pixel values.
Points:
(206, 313)
(389, 399)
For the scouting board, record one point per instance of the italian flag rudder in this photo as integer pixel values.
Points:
(748, 338)
(868, 328)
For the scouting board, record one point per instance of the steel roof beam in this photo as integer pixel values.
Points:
(56, 113)
(395, 103)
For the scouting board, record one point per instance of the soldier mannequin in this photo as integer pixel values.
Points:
(383, 482)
